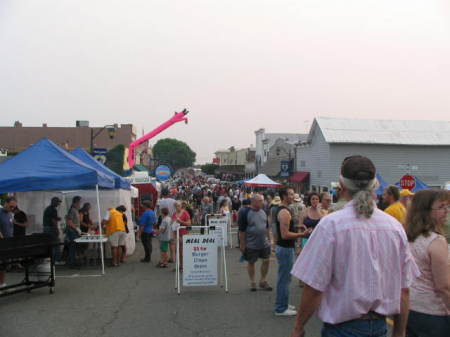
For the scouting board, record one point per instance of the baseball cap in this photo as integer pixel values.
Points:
(406, 193)
(297, 197)
(358, 168)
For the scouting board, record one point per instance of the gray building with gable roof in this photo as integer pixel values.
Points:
(421, 148)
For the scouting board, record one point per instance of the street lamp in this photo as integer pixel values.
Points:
(111, 129)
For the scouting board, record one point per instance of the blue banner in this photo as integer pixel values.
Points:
(285, 168)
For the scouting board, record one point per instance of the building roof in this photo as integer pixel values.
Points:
(290, 138)
(377, 131)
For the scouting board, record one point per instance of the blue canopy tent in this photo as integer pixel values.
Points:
(46, 166)
(383, 185)
(420, 185)
(240, 182)
(119, 182)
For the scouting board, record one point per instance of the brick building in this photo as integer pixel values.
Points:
(18, 137)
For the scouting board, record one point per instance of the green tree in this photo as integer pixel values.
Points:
(115, 158)
(173, 152)
(209, 168)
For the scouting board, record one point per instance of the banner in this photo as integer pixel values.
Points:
(220, 221)
(100, 154)
(285, 168)
(200, 260)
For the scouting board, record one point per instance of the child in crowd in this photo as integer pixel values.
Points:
(164, 238)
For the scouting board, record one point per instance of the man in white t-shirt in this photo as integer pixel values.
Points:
(169, 203)
(166, 202)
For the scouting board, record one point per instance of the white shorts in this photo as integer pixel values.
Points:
(117, 239)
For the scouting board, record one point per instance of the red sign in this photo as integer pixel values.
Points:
(216, 160)
(407, 182)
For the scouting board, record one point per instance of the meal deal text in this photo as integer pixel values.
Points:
(200, 260)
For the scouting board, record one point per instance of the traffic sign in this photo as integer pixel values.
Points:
(407, 182)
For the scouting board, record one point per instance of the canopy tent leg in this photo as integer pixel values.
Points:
(100, 229)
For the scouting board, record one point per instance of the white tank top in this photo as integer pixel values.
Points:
(424, 298)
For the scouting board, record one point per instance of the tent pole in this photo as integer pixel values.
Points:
(100, 229)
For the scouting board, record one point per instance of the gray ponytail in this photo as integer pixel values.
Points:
(362, 195)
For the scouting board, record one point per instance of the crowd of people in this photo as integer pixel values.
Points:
(359, 259)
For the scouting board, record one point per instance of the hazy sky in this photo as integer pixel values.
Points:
(236, 65)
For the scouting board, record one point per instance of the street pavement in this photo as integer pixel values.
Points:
(137, 299)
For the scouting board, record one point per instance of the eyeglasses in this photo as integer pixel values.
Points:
(447, 208)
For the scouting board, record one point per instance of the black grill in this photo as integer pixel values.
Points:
(27, 250)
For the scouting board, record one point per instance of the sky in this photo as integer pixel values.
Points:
(236, 65)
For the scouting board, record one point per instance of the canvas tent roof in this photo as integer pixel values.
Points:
(377, 131)
(119, 182)
(46, 166)
(382, 185)
(261, 180)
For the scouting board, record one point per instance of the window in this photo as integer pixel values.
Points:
(302, 163)
(319, 174)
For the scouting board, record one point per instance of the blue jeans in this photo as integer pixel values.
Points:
(421, 325)
(356, 328)
(285, 257)
(71, 235)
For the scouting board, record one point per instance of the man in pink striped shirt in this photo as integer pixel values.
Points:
(357, 266)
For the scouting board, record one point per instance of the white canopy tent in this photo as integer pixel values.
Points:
(261, 180)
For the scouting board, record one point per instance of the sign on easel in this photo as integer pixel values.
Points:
(202, 264)
(222, 222)
(200, 260)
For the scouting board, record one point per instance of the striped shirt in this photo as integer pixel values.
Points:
(359, 264)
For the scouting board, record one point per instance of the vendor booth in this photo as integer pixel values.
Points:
(45, 166)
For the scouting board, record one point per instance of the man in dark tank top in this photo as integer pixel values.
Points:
(285, 251)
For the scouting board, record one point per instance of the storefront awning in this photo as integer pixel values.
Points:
(299, 177)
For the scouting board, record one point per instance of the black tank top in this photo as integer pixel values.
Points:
(286, 243)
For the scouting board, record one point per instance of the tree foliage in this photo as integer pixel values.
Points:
(173, 152)
(115, 158)
(209, 168)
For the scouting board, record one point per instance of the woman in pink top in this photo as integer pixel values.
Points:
(181, 217)
(430, 292)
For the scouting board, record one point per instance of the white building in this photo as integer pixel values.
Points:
(424, 146)
(265, 141)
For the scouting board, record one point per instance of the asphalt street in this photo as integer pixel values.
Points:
(137, 299)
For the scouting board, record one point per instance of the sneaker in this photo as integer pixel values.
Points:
(292, 307)
(287, 312)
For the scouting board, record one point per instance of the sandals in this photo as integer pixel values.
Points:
(265, 286)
